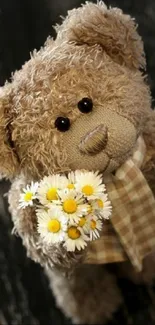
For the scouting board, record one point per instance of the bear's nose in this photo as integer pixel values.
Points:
(94, 141)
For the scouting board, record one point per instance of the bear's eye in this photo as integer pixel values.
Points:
(85, 105)
(62, 123)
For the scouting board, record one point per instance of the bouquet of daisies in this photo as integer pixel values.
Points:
(69, 209)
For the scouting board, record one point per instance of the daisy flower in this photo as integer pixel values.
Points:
(72, 204)
(72, 179)
(48, 188)
(51, 225)
(75, 238)
(69, 208)
(95, 226)
(28, 195)
(89, 184)
(102, 207)
(84, 224)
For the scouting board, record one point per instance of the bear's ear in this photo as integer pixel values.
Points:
(8, 157)
(114, 31)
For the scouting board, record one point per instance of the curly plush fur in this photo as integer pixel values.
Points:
(103, 299)
(97, 54)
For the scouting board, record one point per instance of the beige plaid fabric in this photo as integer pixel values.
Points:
(130, 233)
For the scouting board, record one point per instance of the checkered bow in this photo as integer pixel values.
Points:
(130, 232)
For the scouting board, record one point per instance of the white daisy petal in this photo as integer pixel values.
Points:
(51, 225)
(75, 239)
(69, 209)
(71, 180)
(95, 227)
(103, 206)
(89, 184)
(72, 205)
(28, 195)
(48, 188)
(84, 224)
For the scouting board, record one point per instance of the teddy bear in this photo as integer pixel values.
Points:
(82, 103)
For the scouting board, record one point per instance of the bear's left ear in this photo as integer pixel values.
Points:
(114, 31)
(8, 157)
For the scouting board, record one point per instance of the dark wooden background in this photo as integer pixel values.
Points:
(25, 298)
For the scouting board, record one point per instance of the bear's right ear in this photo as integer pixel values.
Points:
(115, 32)
(8, 157)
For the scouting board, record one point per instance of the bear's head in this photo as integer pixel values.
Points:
(80, 102)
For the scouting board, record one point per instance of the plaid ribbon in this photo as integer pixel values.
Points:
(130, 233)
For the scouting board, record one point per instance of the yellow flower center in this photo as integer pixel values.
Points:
(93, 224)
(82, 222)
(70, 186)
(70, 206)
(73, 233)
(100, 204)
(52, 194)
(28, 196)
(87, 190)
(53, 226)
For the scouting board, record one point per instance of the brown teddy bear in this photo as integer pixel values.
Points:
(82, 102)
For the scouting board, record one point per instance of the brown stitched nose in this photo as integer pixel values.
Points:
(94, 141)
